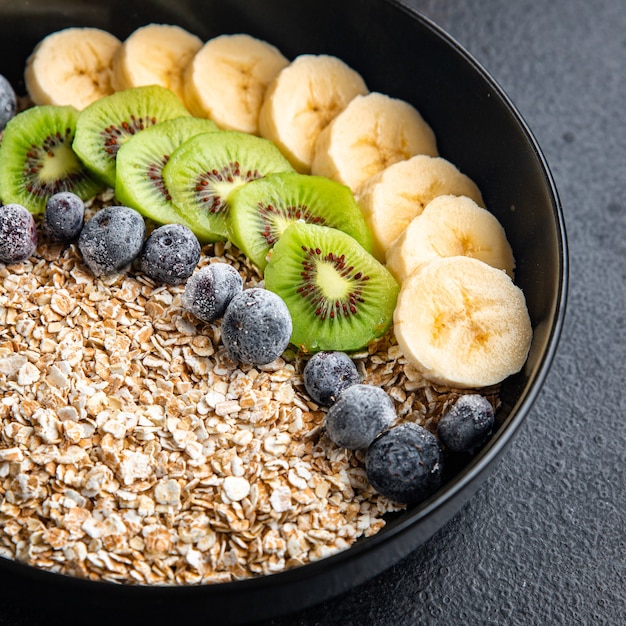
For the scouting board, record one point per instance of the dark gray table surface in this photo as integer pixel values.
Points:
(544, 540)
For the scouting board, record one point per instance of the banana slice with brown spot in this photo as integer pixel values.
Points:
(302, 100)
(155, 54)
(462, 323)
(72, 66)
(450, 226)
(370, 134)
(390, 199)
(227, 80)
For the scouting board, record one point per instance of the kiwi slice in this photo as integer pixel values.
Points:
(139, 167)
(38, 160)
(205, 170)
(107, 123)
(261, 211)
(340, 297)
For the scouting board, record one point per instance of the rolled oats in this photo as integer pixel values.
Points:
(133, 450)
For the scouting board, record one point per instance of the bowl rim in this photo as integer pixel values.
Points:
(462, 479)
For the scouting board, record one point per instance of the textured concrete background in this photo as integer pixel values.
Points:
(544, 540)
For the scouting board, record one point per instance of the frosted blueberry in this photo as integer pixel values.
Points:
(8, 102)
(64, 216)
(170, 254)
(209, 291)
(112, 239)
(18, 233)
(359, 415)
(405, 463)
(256, 327)
(468, 424)
(327, 374)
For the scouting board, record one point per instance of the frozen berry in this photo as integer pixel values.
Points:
(467, 425)
(112, 239)
(8, 102)
(405, 463)
(170, 254)
(209, 291)
(256, 327)
(64, 216)
(327, 374)
(18, 233)
(359, 415)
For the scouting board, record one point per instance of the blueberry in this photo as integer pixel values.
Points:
(359, 415)
(209, 291)
(467, 425)
(170, 254)
(64, 216)
(256, 327)
(18, 233)
(8, 102)
(327, 374)
(405, 463)
(112, 239)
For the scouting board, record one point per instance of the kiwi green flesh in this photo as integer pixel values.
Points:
(38, 160)
(139, 168)
(205, 170)
(261, 211)
(107, 123)
(340, 297)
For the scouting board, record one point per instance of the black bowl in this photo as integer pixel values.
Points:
(402, 54)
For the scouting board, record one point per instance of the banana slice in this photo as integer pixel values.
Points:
(155, 54)
(450, 226)
(71, 67)
(370, 134)
(390, 199)
(227, 79)
(462, 323)
(302, 100)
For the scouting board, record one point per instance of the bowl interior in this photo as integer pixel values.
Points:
(403, 55)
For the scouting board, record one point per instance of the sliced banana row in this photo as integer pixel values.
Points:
(316, 108)
(223, 79)
(460, 320)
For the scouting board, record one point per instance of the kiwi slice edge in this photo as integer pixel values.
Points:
(205, 170)
(38, 159)
(340, 297)
(264, 208)
(140, 161)
(106, 124)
